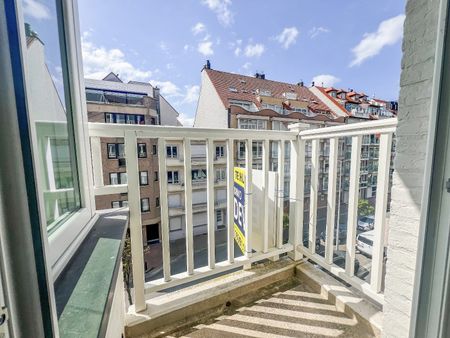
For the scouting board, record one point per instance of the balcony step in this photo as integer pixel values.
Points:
(298, 312)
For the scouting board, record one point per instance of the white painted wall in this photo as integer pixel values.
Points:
(211, 112)
(169, 116)
(419, 47)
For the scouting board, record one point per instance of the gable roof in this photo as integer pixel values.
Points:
(112, 77)
(244, 88)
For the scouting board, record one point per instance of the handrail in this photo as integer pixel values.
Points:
(352, 129)
(170, 133)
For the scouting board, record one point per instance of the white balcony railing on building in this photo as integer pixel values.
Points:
(384, 130)
(295, 246)
(131, 133)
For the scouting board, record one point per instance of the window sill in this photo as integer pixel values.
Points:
(85, 289)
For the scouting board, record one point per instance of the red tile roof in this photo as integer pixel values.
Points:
(246, 87)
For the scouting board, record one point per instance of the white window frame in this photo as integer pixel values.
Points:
(143, 177)
(170, 154)
(147, 208)
(171, 177)
(220, 151)
(63, 242)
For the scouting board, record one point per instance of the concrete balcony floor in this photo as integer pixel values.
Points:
(302, 301)
(298, 312)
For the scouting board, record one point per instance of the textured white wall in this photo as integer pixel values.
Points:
(211, 113)
(414, 112)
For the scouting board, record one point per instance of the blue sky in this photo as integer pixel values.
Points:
(352, 43)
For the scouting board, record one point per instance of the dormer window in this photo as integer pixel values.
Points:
(290, 95)
(264, 92)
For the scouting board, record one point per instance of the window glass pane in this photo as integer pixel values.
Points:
(50, 115)
(113, 178)
(123, 178)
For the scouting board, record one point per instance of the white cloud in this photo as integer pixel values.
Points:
(191, 94)
(35, 9)
(163, 46)
(326, 80)
(167, 88)
(389, 32)
(198, 28)
(247, 65)
(287, 37)
(237, 51)
(170, 66)
(187, 121)
(205, 48)
(222, 10)
(316, 31)
(254, 50)
(98, 61)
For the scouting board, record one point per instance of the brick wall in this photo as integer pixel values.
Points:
(414, 109)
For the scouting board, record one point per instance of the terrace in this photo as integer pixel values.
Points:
(279, 248)
(306, 264)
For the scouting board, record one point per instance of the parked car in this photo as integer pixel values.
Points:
(366, 223)
(364, 242)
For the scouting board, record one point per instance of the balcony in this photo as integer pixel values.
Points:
(280, 253)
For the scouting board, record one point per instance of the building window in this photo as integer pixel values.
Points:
(252, 124)
(154, 149)
(152, 120)
(198, 174)
(142, 150)
(118, 178)
(241, 152)
(145, 204)
(157, 201)
(220, 174)
(109, 118)
(172, 151)
(257, 149)
(116, 150)
(143, 178)
(220, 151)
(124, 118)
(172, 177)
(219, 217)
(119, 204)
(156, 176)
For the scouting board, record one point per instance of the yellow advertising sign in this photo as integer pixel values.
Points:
(239, 207)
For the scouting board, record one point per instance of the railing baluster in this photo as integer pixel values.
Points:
(384, 162)
(210, 204)
(165, 236)
(230, 199)
(314, 193)
(134, 203)
(353, 192)
(265, 169)
(280, 194)
(188, 206)
(248, 197)
(97, 166)
(296, 198)
(331, 200)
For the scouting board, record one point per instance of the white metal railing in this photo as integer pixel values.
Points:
(297, 139)
(131, 133)
(384, 129)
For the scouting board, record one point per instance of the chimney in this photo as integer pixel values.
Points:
(312, 84)
(300, 84)
(261, 76)
(208, 65)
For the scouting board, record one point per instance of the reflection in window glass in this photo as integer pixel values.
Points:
(50, 115)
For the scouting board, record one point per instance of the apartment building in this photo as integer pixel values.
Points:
(229, 100)
(112, 101)
(361, 107)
